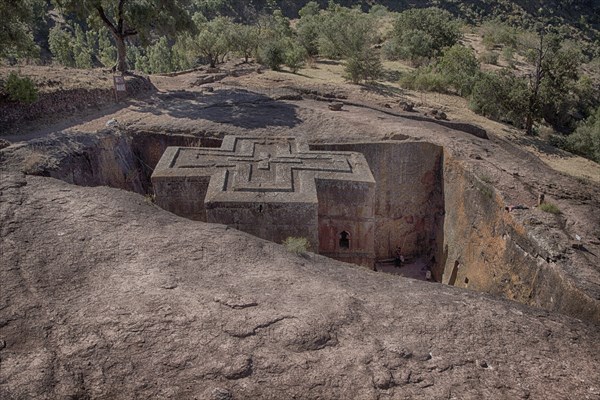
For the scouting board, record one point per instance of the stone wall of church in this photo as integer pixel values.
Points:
(183, 196)
(346, 221)
(409, 203)
(271, 221)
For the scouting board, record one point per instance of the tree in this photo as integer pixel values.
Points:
(214, 40)
(245, 40)
(552, 82)
(441, 28)
(61, 46)
(502, 97)
(272, 53)
(586, 139)
(83, 47)
(16, 37)
(106, 51)
(295, 56)
(311, 8)
(160, 57)
(460, 68)
(125, 18)
(364, 66)
(345, 32)
(308, 29)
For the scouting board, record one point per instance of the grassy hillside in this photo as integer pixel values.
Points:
(582, 18)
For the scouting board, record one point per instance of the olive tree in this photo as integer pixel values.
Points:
(125, 18)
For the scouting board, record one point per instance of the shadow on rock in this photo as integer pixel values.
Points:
(237, 107)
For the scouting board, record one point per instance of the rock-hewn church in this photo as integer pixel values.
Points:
(275, 188)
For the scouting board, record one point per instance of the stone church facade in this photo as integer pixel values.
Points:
(275, 188)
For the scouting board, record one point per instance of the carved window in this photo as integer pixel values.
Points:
(344, 240)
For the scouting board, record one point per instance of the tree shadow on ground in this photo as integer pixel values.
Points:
(329, 62)
(541, 146)
(238, 107)
(382, 89)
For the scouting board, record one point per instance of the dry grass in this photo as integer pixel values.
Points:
(457, 108)
(62, 78)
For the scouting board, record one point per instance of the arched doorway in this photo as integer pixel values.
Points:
(344, 240)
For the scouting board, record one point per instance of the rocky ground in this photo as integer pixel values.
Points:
(118, 299)
(106, 296)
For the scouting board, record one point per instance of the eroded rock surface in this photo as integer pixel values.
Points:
(106, 296)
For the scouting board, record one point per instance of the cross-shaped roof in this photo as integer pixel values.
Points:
(280, 169)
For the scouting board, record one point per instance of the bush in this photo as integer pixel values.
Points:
(296, 245)
(310, 9)
(415, 46)
(424, 79)
(508, 53)
(107, 53)
(83, 47)
(61, 46)
(439, 28)
(21, 89)
(585, 141)
(497, 34)
(308, 29)
(365, 66)
(295, 57)
(272, 54)
(379, 11)
(459, 67)
(502, 97)
(489, 57)
(550, 208)
(245, 40)
(345, 33)
(159, 57)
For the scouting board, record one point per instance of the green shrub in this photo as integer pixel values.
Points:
(424, 79)
(310, 9)
(502, 97)
(585, 140)
(459, 67)
(295, 57)
(489, 57)
(379, 10)
(21, 89)
(415, 46)
(83, 47)
(345, 33)
(61, 46)
(272, 54)
(296, 245)
(497, 34)
(432, 27)
(508, 53)
(550, 208)
(308, 30)
(107, 53)
(160, 56)
(364, 67)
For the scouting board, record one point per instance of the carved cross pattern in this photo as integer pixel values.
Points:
(253, 164)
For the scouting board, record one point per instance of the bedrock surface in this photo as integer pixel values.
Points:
(106, 296)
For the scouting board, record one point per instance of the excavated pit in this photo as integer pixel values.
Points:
(450, 226)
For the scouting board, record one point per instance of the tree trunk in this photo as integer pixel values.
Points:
(119, 32)
(121, 53)
(537, 79)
